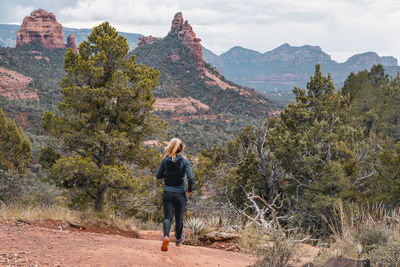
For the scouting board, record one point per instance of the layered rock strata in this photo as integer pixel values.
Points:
(14, 85)
(41, 26)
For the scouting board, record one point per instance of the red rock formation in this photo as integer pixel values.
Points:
(185, 33)
(146, 40)
(14, 85)
(179, 104)
(43, 27)
(71, 42)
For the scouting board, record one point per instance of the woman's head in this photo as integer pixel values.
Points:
(174, 148)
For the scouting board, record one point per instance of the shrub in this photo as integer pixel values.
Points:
(370, 236)
(10, 186)
(278, 251)
(387, 254)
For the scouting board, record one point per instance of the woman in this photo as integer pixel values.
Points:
(173, 168)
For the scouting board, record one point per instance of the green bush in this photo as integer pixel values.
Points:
(371, 236)
(10, 186)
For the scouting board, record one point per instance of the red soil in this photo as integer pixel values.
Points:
(51, 243)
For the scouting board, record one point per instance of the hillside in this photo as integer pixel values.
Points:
(275, 72)
(182, 76)
(219, 107)
(201, 106)
(41, 69)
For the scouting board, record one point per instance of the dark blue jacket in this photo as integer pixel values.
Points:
(161, 173)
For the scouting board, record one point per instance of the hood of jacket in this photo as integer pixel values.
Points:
(176, 158)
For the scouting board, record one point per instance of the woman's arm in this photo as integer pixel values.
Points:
(161, 170)
(189, 175)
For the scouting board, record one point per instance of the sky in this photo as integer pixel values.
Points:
(341, 28)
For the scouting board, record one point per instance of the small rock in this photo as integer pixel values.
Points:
(220, 236)
(343, 262)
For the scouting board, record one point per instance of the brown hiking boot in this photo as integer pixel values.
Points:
(164, 246)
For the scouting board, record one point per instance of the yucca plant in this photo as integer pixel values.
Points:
(196, 224)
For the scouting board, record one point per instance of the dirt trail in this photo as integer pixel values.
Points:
(26, 245)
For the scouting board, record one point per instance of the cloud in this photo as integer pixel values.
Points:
(341, 27)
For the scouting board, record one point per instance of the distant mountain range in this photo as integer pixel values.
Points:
(276, 72)
(8, 33)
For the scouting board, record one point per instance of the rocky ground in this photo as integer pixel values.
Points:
(47, 243)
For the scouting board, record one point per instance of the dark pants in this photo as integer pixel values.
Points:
(173, 201)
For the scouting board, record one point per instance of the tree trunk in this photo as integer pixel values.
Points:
(99, 201)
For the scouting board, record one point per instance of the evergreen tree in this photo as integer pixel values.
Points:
(15, 152)
(104, 115)
(375, 108)
(15, 147)
(316, 144)
(366, 91)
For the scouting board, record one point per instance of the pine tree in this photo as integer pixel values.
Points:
(104, 115)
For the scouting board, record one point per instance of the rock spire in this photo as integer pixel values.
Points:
(186, 34)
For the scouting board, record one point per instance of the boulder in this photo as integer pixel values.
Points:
(220, 236)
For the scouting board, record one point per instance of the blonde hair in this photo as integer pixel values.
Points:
(174, 148)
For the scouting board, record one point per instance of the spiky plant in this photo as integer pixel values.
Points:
(196, 224)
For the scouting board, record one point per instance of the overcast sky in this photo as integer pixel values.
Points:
(340, 27)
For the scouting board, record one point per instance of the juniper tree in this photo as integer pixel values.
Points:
(15, 152)
(316, 143)
(103, 116)
(375, 108)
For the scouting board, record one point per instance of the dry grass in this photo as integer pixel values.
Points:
(60, 213)
(64, 214)
(365, 233)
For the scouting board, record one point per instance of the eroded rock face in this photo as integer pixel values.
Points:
(14, 85)
(179, 105)
(43, 27)
(185, 33)
(146, 40)
(71, 42)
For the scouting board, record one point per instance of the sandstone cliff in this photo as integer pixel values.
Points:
(14, 85)
(41, 26)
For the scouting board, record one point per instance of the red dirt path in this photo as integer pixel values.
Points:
(29, 245)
